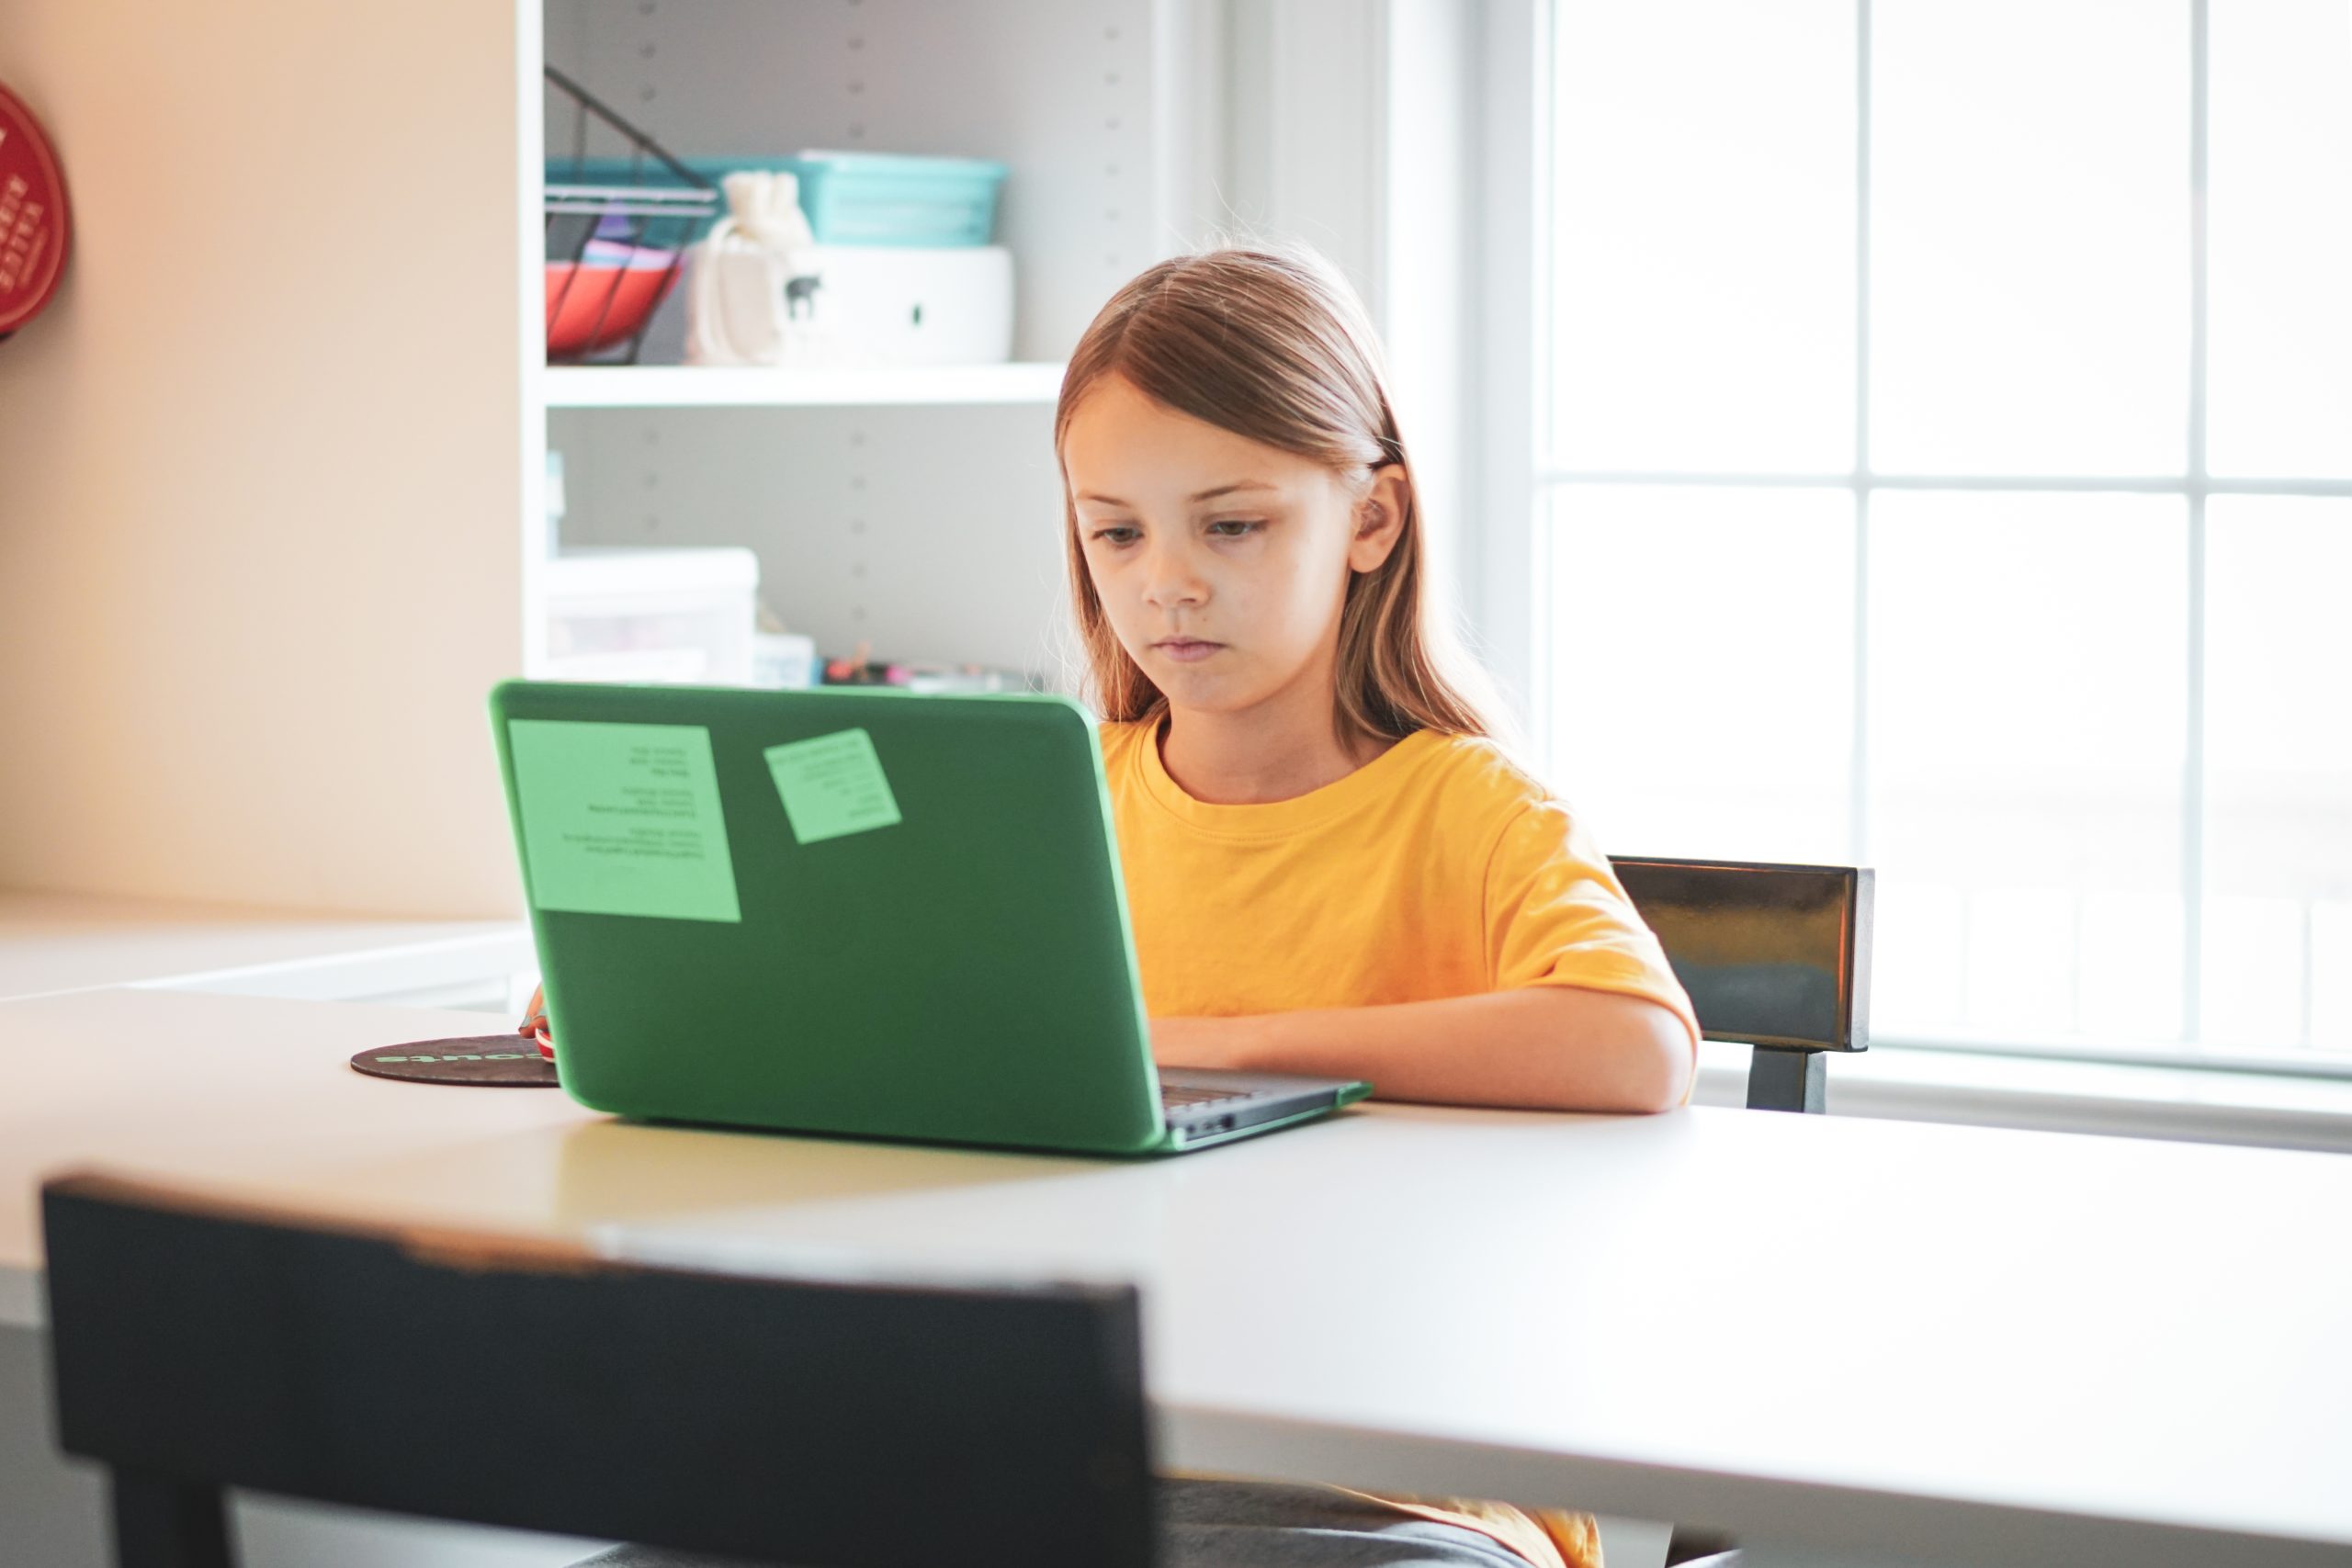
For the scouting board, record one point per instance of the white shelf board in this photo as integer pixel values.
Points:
(719, 386)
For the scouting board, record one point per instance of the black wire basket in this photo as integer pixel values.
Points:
(617, 228)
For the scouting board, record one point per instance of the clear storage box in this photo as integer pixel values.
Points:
(667, 615)
(851, 198)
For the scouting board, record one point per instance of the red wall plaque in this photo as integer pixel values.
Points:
(33, 215)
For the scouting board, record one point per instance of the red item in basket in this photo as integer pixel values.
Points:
(33, 215)
(594, 305)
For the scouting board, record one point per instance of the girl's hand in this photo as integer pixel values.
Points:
(1199, 1041)
(535, 1023)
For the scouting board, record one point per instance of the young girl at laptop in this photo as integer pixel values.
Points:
(1331, 866)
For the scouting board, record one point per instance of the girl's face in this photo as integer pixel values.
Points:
(1221, 562)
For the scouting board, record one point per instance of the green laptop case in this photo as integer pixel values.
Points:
(944, 955)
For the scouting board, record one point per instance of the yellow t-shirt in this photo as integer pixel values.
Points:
(1439, 869)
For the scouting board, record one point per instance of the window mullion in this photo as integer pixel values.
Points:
(1858, 809)
(2192, 849)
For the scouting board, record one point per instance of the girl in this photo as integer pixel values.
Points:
(1331, 866)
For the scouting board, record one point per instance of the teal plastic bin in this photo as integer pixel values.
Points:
(852, 198)
(882, 198)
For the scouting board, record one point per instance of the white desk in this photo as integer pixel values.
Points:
(1856, 1340)
(66, 941)
(54, 943)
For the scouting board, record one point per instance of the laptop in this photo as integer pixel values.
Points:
(851, 911)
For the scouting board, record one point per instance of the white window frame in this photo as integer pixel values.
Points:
(1519, 474)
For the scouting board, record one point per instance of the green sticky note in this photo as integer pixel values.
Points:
(622, 820)
(832, 784)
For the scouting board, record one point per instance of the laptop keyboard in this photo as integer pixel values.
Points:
(1175, 1097)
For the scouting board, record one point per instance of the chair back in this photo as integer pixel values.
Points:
(531, 1385)
(1774, 956)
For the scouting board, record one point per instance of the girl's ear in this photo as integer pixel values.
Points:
(1380, 519)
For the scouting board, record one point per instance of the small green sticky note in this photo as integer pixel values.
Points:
(622, 820)
(832, 784)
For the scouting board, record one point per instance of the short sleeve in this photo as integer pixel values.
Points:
(1557, 915)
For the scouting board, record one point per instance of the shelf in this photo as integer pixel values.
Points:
(714, 386)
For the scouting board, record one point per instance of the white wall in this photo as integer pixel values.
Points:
(261, 471)
(1428, 215)
(1305, 149)
(1357, 127)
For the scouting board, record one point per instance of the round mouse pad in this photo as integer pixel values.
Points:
(495, 1061)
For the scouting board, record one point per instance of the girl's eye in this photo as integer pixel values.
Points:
(1118, 534)
(1234, 527)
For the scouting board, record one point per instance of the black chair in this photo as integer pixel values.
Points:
(199, 1346)
(1774, 956)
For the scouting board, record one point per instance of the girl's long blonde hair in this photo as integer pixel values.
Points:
(1272, 344)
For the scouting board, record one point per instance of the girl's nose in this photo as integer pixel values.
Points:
(1170, 578)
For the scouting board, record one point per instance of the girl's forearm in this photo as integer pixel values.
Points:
(1546, 1047)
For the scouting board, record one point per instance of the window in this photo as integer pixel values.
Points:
(1935, 483)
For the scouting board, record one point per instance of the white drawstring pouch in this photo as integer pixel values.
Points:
(754, 295)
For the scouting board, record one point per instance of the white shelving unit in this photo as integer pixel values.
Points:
(916, 510)
(705, 387)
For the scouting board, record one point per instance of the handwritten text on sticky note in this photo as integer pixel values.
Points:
(833, 785)
(622, 820)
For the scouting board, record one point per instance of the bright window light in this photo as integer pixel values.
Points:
(2282, 205)
(2029, 237)
(2279, 771)
(1706, 218)
(2026, 723)
(1644, 578)
(1939, 481)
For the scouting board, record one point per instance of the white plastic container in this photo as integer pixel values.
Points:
(681, 616)
(884, 305)
(786, 660)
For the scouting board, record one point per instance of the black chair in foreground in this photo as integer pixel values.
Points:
(199, 1346)
(1774, 956)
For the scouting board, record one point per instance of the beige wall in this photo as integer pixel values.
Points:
(263, 461)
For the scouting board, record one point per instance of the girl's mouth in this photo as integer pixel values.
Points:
(1186, 649)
